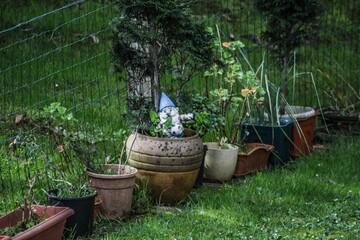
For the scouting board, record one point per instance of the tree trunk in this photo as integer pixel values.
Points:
(156, 75)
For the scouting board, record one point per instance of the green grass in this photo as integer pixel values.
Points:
(315, 198)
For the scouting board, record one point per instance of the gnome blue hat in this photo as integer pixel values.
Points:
(165, 101)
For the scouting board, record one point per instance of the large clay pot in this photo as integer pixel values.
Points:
(255, 159)
(220, 162)
(167, 166)
(115, 191)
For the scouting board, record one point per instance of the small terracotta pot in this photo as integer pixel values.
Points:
(97, 206)
(115, 191)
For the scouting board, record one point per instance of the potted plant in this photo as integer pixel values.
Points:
(252, 157)
(78, 197)
(156, 41)
(50, 222)
(114, 185)
(77, 152)
(341, 115)
(34, 221)
(164, 159)
(234, 105)
(68, 185)
(289, 24)
(265, 126)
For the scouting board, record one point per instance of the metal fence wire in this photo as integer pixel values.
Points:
(56, 72)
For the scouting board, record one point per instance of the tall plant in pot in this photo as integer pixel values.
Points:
(79, 157)
(289, 25)
(67, 185)
(237, 95)
(156, 41)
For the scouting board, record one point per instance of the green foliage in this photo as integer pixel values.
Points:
(341, 103)
(289, 24)
(137, 112)
(157, 37)
(239, 91)
(207, 116)
(156, 130)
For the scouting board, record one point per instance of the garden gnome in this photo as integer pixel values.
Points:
(168, 109)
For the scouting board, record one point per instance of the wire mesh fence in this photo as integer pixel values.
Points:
(58, 62)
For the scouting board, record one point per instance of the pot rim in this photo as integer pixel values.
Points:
(193, 133)
(109, 176)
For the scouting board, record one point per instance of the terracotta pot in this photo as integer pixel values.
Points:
(115, 191)
(51, 228)
(167, 187)
(220, 163)
(168, 166)
(303, 131)
(97, 205)
(255, 160)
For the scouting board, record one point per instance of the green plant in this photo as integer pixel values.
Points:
(239, 91)
(29, 219)
(155, 38)
(288, 25)
(342, 102)
(207, 117)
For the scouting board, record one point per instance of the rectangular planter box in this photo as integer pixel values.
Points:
(51, 228)
(253, 161)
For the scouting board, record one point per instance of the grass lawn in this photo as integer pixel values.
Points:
(317, 197)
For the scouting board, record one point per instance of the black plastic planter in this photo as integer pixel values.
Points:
(278, 135)
(81, 223)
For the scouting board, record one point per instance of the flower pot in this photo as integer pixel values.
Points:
(115, 191)
(97, 205)
(278, 136)
(220, 163)
(81, 223)
(302, 131)
(256, 159)
(167, 166)
(51, 228)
